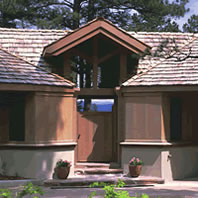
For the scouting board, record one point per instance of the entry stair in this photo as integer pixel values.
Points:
(88, 173)
(97, 168)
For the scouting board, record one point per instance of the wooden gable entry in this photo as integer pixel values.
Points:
(108, 53)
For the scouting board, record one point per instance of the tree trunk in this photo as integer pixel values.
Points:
(76, 14)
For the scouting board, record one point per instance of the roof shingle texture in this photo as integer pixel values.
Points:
(27, 43)
(15, 70)
(174, 68)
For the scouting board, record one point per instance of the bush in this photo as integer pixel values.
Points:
(111, 192)
(28, 189)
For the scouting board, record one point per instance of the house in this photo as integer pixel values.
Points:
(155, 99)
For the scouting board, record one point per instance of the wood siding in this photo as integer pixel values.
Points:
(95, 136)
(143, 118)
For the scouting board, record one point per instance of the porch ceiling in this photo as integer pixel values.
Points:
(95, 27)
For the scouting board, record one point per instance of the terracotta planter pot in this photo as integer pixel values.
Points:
(135, 171)
(62, 172)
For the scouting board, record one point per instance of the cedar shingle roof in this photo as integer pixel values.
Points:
(15, 70)
(176, 69)
(28, 44)
(20, 57)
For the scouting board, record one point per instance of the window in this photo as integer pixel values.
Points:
(175, 119)
(17, 121)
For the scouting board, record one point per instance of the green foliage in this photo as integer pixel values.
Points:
(5, 193)
(63, 163)
(111, 192)
(28, 189)
(191, 25)
(136, 15)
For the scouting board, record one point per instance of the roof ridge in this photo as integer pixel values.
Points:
(43, 69)
(153, 66)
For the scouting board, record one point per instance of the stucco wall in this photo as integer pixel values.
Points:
(35, 162)
(150, 156)
(179, 162)
(167, 162)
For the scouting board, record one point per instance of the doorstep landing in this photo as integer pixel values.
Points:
(85, 181)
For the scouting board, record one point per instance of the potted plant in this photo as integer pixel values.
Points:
(135, 167)
(62, 169)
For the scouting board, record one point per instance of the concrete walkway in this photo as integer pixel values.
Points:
(174, 189)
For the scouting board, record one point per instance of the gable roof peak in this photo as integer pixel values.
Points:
(95, 27)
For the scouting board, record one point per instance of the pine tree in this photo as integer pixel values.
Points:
(136, 15)
(191, 25)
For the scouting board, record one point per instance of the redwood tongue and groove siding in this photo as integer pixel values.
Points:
(15, 70)
(153, 71)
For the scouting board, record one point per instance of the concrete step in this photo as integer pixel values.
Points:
(82, 181)
(92, 165)
(97, 168)
(97, 171)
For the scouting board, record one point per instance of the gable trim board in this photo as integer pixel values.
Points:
(95, 27)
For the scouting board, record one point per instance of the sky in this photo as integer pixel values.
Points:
(193, 5)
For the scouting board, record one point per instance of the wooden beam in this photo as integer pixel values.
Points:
(104, 58)
(95, 62)
(106, 92)
(123, 67)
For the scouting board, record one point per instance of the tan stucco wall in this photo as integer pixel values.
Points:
(142, 117)
(35, 163)
(179, 162)
(169, 163)
(150, 156)
(50, 117)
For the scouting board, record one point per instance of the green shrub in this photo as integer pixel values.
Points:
(28, 189)
(111, 192)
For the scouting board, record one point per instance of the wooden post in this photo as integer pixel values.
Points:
(67, 66)
(95, 63)
(123, 67)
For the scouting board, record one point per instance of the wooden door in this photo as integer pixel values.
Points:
(94, 136)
